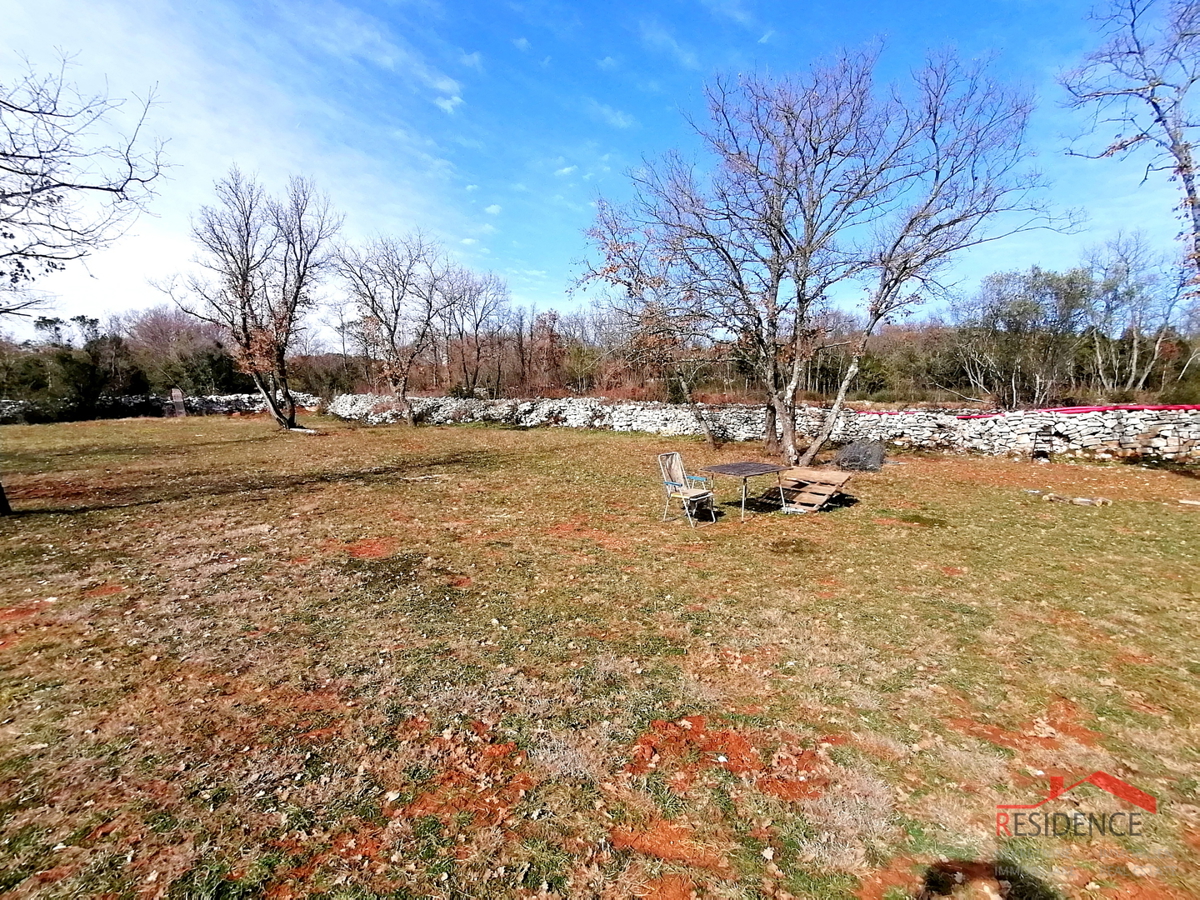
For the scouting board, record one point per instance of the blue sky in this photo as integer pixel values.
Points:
(494, 125)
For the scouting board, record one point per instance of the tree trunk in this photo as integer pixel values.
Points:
(770, 433)
(5, 509)
(269, 398)
(400, 389)
(835, 412)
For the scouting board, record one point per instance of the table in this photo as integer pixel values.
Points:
(745, 471)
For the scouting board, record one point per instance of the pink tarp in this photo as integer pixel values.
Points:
(1065, 410)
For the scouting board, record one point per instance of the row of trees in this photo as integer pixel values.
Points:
(1118, 327)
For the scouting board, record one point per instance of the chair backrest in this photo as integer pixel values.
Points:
(673, 473)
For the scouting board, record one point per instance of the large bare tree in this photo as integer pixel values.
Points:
(964, 180)
(265, 258)
(70, 181)
(800, 167)
(1139, 83)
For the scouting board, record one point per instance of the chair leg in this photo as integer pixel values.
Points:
(687, 511)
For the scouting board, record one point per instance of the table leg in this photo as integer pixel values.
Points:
(744, 480)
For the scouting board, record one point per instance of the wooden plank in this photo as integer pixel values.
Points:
(819, 476)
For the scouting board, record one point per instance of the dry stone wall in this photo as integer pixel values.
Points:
(1169, 434)
(15, 412)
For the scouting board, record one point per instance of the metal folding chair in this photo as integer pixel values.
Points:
(679, 486)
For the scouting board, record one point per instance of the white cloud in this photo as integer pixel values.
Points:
(521, 44)
(349, 33)
(493, 209)
(613, 117)
(655, 37)
(730, 9)
(229, 90)
(565, 170)
(469, 242)
(766, 38)
(607, 63)
(449, 104)
(472, 60)
(472, 187)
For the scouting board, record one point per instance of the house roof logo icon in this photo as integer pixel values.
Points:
(1112, 784)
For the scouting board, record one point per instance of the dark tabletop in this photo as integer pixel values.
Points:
(744, 469)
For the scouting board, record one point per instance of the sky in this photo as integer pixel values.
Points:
(494, 126)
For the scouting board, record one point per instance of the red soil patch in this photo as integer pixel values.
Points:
(371, 548)
(902, 872)
(579, 528)
(483, 779)
(299, 560)
(16, 613)
(104, 590)
(1061, 719)
(953, 570)
(789, 774)
(1146, 889)
(667, 887)
(673, 843)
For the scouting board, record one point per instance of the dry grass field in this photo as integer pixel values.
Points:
(472, 662)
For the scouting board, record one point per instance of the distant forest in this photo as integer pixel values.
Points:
(1109, 331)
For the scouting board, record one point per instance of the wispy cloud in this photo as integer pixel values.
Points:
(472, 60)
(492, 210)
(656, 37)
(730, 9)
(522, 44)
(565, 170)
(613, 117)
(607, 63)
(350, 34)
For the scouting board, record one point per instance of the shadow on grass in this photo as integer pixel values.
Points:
(180, 490)
(942, 878)
(764, 503)
(1187, 470)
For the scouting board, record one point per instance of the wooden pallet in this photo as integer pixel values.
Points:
(806, 490)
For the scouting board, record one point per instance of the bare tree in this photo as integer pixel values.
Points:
(400, 286)
(965, 165)
(801, 166)
(1137, 302)
(266, 259)
(1138, 82)
(69, 182)
(477, 302)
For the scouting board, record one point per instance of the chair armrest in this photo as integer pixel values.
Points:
(703, 478)
(673, 484)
